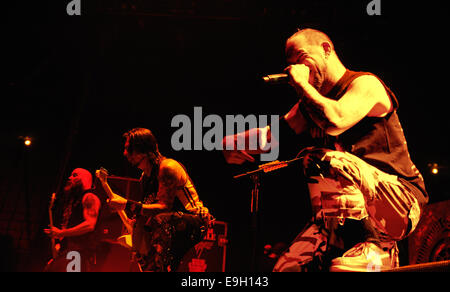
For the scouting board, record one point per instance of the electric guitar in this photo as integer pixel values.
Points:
(124, 240)
(55, 246)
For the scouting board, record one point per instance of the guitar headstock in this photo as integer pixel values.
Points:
(102, 174)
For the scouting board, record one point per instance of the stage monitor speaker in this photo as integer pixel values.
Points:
(209, 255)
(430, 242)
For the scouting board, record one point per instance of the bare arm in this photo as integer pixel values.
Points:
(296, 120)
(366, 96)
(237, 148)
(171, 177)
(91, 208)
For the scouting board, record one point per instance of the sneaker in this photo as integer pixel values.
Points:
(366, 257)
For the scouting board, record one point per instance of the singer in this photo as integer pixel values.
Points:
(361, 175)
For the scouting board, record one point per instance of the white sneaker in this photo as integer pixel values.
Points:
(366, 257)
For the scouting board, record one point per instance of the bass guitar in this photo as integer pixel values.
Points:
(124, 240)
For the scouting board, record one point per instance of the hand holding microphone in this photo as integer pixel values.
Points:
(276, 78)
(299, 73)
(296, 75)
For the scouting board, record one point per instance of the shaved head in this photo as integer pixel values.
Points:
(315, 50)
(307, 37)
(85, 177)
(79, 178)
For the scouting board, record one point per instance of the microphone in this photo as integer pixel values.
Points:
(276, 78)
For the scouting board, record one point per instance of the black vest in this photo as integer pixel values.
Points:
(150, 187)
(85, 241)
(379, 141)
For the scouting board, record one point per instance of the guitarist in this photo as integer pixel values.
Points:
(170, 218)
(78, 214)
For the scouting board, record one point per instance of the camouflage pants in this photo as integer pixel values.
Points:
(172, 235)
(342, 186)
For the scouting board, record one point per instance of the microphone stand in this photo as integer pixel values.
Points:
(255, 176)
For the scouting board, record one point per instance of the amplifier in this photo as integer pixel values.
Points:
(430, 242)
(209, 255)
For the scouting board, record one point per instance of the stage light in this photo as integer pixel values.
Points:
(27, 141)
(434, 168)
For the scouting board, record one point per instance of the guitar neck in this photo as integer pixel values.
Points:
(123, 216)
(108, 190)
(50, 215)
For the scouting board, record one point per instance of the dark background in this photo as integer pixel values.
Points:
(75, 84)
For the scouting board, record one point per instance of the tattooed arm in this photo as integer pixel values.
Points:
(91, 208)
(366, 96)
(171, 177)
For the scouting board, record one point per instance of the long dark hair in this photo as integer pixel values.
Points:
(143, 141)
